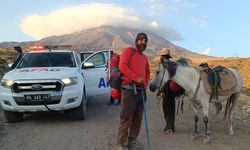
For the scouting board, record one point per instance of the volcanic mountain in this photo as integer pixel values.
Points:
(108, 37)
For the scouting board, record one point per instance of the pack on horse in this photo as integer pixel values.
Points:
(194, 82)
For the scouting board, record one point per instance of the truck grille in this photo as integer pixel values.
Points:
(37, 85)
(37, 102)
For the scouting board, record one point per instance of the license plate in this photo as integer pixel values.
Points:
(37, 97)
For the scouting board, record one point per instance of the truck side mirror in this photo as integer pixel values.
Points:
(87, 65)
(10, 64)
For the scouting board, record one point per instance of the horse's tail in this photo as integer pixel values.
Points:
(230, 105)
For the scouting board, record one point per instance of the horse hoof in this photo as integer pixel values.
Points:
(206, 141)
(230, 132)
(194, 137)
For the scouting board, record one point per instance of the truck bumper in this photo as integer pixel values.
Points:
(69, 98)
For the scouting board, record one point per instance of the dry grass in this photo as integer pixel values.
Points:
(6, 56)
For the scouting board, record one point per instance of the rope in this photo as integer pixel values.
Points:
(51, 110)
(193, 99)
(214, 93)
(182, 102)
(159, 98)
(178, 105)
(145, 117)
(162, 77)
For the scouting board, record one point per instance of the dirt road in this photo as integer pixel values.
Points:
(47, 131)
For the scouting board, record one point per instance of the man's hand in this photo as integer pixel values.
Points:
(158, 93)
(140, 81)
(162, 87)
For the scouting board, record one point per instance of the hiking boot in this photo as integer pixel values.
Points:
(132, 144)
(173, 129)
(111, 103)
(118, 103)
(135, 145)
(122, 147)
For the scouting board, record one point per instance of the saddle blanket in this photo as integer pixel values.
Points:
(228, 82)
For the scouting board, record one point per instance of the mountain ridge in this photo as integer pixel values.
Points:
(108, 37)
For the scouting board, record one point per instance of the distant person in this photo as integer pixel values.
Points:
(113, 66)
(135, 79)
(19, 57)
(112, 101)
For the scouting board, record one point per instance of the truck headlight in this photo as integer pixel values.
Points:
(6, 83)
(70, 81)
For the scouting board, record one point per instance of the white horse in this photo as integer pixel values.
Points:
(188, 78)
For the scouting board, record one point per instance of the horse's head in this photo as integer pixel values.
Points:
(164, 72)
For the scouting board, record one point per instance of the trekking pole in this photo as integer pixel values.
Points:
(145, 112)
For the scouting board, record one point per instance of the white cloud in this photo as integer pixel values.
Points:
(154, 24)
(206, 51)
(86, 16)
(158, 7)
(201, 21)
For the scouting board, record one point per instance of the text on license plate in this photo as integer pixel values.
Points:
(37, 97)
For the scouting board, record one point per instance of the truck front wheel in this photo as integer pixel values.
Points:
(13, 117)
(81, 111)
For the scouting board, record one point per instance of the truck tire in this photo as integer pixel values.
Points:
(13, 117)
(81, 111)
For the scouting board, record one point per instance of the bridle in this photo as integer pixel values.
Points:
(161, 77)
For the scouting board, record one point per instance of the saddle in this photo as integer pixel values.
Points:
(217, 81)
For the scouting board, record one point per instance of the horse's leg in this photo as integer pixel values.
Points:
(233, 100)
(205, 106)
(196, 124)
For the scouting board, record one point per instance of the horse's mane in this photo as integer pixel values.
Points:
(171, 67)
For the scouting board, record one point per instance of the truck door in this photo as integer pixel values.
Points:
(96, 76)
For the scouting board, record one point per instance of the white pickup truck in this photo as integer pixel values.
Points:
(53, 80)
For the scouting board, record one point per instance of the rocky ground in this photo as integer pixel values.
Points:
(42, 131)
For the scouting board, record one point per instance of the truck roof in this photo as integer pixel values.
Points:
(41, 51)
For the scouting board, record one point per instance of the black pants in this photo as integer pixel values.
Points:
(169, 111)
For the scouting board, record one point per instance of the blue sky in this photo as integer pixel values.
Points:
(216, 28)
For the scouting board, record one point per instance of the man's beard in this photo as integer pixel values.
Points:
(141, 47)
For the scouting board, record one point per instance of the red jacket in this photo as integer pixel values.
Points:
(137, 67)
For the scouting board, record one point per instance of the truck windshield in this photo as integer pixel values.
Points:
(47, 59)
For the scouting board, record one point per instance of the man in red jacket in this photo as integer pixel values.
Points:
(135, 68)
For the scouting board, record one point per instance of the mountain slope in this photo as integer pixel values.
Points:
(108, 37)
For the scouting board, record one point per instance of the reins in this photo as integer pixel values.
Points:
(193, 99)
(162, 76)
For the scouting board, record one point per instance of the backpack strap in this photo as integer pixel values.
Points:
(131, 54)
